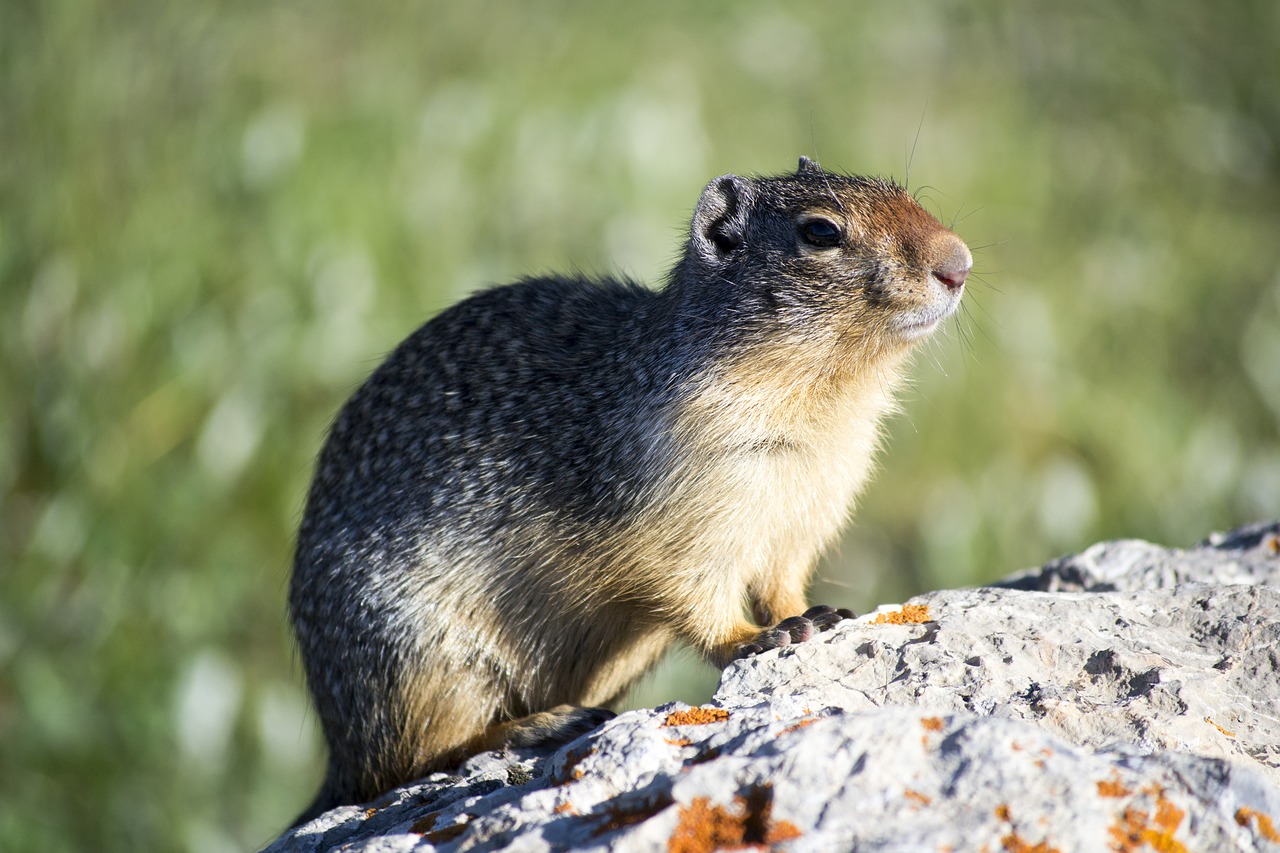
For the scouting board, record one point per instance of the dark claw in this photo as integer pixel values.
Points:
(826, 620)
(823, 617)
(774, 638)
(795, 629)
(592, 718)
(798, 628)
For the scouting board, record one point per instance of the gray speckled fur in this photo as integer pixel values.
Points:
(524, 402)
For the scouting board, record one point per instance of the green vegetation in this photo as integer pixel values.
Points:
(215, 217)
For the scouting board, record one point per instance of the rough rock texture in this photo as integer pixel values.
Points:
(1125, 698)
(1246, 555)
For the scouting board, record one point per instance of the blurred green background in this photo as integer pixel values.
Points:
(215, 218)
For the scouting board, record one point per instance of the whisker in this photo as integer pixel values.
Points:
(912, 156)
(831, 192)
(990, 317)
(987, 245)
(916, 195)
(983, 281)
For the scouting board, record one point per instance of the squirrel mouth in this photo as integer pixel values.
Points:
(917, 329)
(916, 323)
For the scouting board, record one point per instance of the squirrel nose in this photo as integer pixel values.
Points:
(954, 265)
(951, 277)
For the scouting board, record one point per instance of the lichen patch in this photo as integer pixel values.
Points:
(705, 827)
(1210, 721)
(1112, 788)
(807, 721)
(917, 797)
(1014, 843)
(910, 614)
(696, 717)
(1138, 828)
(1266, 827)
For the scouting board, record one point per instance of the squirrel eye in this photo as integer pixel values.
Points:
(821, 232)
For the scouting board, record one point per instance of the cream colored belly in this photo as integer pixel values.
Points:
(791, 503)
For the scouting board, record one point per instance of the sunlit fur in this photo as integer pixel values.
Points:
(548, 484)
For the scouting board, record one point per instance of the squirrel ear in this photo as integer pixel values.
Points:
(720, 219)
(807, 165)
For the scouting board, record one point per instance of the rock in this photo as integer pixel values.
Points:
(1246, 555)
(1124, 698)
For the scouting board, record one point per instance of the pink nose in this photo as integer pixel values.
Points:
(949, 260)
(952, 275)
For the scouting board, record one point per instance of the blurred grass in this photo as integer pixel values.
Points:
(214, 219)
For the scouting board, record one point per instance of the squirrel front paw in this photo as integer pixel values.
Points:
(796, 629)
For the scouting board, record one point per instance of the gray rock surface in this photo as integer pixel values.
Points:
(1246, 555)
(1125, 698)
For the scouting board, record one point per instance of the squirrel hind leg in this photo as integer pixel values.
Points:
(558, 725)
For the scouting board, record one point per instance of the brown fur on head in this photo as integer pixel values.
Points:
(819, 259)
(814, 286)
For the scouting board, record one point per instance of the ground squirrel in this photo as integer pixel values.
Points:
(546, 485)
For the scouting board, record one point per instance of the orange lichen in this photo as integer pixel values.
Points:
(678, 741)
(780, 831)
(917, 797)
(570, 771)
(1266, 827)
(1272, 543)
(800, 725)
(1013, 841)
(565, 808)
(1112, 788)
(696, 717)
(1135, 829)
(1014, 844)
(930, 724)
(1126, 833)
(1168, 816)
(909, 614)
(1210, 721)
(368, 813)
(704, 827)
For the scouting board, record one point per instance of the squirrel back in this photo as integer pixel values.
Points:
(546, 485)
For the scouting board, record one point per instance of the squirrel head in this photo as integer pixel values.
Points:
(817, 256)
